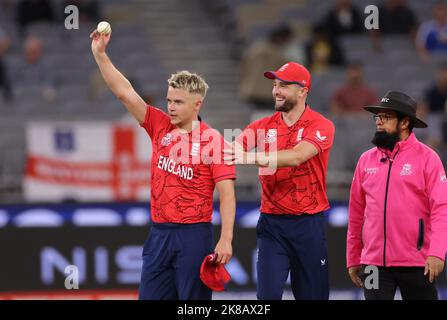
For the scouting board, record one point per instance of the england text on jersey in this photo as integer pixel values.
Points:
(169, 165)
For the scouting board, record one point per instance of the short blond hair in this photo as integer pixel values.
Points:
(191, 82)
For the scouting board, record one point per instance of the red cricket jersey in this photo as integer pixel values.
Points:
(184, 170)
(293, 190)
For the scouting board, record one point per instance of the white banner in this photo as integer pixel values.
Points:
(87, 161)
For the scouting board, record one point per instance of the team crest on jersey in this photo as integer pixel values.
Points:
(443, 177)
(406, 170)
(299, 136)
(271, 136)
(167, 139)
(195, 149)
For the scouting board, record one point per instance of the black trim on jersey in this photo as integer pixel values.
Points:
(225, 175)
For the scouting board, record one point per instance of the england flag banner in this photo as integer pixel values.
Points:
(83, 161)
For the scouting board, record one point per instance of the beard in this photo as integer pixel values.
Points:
(383, 139)
(286, 106)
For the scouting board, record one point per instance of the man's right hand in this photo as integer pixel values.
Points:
(115, 80)
(99, 41)
(354, 273)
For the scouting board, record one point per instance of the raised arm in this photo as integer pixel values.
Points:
(114, 79)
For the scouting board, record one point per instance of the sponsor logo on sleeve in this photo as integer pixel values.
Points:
(320, 137)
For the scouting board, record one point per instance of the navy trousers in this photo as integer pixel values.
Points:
(295, 244)
(172, 256)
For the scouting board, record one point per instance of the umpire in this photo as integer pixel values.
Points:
(398, 207)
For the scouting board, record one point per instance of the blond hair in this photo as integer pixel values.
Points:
(191, 82)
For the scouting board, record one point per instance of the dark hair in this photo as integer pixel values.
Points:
(280, 31)
(319, 28)
(401, 116)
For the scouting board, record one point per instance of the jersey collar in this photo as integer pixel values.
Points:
(304, 116)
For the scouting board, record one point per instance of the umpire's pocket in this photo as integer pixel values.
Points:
(420, 242)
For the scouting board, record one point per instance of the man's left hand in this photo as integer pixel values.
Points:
(433, 267)
(223, 251)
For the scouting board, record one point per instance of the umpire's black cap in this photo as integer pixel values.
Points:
(401, 103)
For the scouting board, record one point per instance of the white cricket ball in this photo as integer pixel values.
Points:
(104, 27)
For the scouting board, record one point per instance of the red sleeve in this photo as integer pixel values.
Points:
(154, 120)
(320, 134)
(248, 138)
(219, 170)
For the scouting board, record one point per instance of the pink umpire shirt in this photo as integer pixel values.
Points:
(397, 207)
